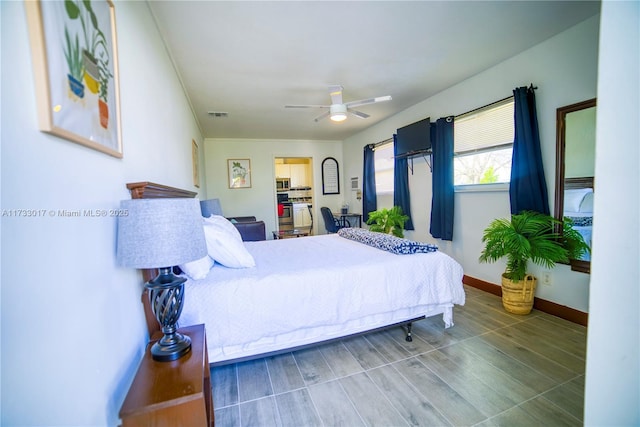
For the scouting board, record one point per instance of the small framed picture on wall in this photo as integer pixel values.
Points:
(195, 159)
(239, 171)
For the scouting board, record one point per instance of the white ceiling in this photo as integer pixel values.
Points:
(249, 59)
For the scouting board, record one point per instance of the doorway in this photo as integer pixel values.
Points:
(294, 189)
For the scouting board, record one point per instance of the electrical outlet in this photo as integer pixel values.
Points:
(546, 278)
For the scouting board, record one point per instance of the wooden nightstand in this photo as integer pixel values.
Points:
(176, 393)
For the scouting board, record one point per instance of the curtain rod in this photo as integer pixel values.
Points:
(377, 144)
(483, 107)
(531, 87)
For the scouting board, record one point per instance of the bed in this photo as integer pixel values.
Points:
(310, 290)
(578, 207)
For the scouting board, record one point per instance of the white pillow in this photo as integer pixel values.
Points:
(197, 269)
(573, 198)
(587, 203)
(224, 243)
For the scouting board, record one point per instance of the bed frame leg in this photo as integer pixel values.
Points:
(409, 338)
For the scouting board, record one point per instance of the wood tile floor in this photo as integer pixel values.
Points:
(491, 368)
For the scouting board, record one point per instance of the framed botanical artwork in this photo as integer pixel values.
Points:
(75, 60)
(195, 160)
(239, 173)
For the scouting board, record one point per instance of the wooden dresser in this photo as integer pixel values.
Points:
(176, 393)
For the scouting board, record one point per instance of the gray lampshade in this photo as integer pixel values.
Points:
(211, 207)
(160, 233)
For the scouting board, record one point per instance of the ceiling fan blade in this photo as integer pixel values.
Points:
(338, 108)
(358, 113)
(306, 106)
(335, 91)
(322, 116)
(368, 101)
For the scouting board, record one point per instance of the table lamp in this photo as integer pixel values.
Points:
(159, 234)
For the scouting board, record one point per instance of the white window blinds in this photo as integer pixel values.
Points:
(484, 129)
(384, 165)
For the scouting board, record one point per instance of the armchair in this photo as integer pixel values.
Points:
(250, 229)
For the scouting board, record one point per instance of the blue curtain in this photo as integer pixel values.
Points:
(442, 201)
(528, 188)
(369, 200)
(401, 186)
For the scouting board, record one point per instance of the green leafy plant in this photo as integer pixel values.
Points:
(489, 176)
(105, 76)
(238, 171)
(388, 221)
(528, 236)
(73, 55)
(573, 241)
(95, 42)
(94, 38)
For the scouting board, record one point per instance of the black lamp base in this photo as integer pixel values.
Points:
(171, 347)
(167, 298)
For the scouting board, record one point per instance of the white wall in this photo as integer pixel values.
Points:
(612, 391)
(564, 68)
(73, 330)
(580, 143)
(260, 199)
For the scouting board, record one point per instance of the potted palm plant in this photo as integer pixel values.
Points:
(528, 236)
(388, 221)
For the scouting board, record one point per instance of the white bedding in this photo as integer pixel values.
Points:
(311, 289)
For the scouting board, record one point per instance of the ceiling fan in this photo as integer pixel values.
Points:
(338, 110)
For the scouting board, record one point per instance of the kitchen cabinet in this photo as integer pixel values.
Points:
(298, 175)
(301, 215)
(283, 171)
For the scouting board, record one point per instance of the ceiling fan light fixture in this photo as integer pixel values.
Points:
(337, 109)
(338, 112)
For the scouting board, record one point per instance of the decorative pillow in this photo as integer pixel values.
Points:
(224, 243)
(197, 269)
(573, 198)
(386, 242)
(581, 221)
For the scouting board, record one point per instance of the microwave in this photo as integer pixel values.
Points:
(283, 184)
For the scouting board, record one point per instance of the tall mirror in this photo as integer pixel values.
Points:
(575, 167)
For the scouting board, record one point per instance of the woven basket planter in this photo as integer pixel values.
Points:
(517, 297)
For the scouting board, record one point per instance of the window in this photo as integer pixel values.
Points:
(384, 162)
(483, 143)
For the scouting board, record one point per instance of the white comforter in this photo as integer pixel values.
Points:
(309, 289)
